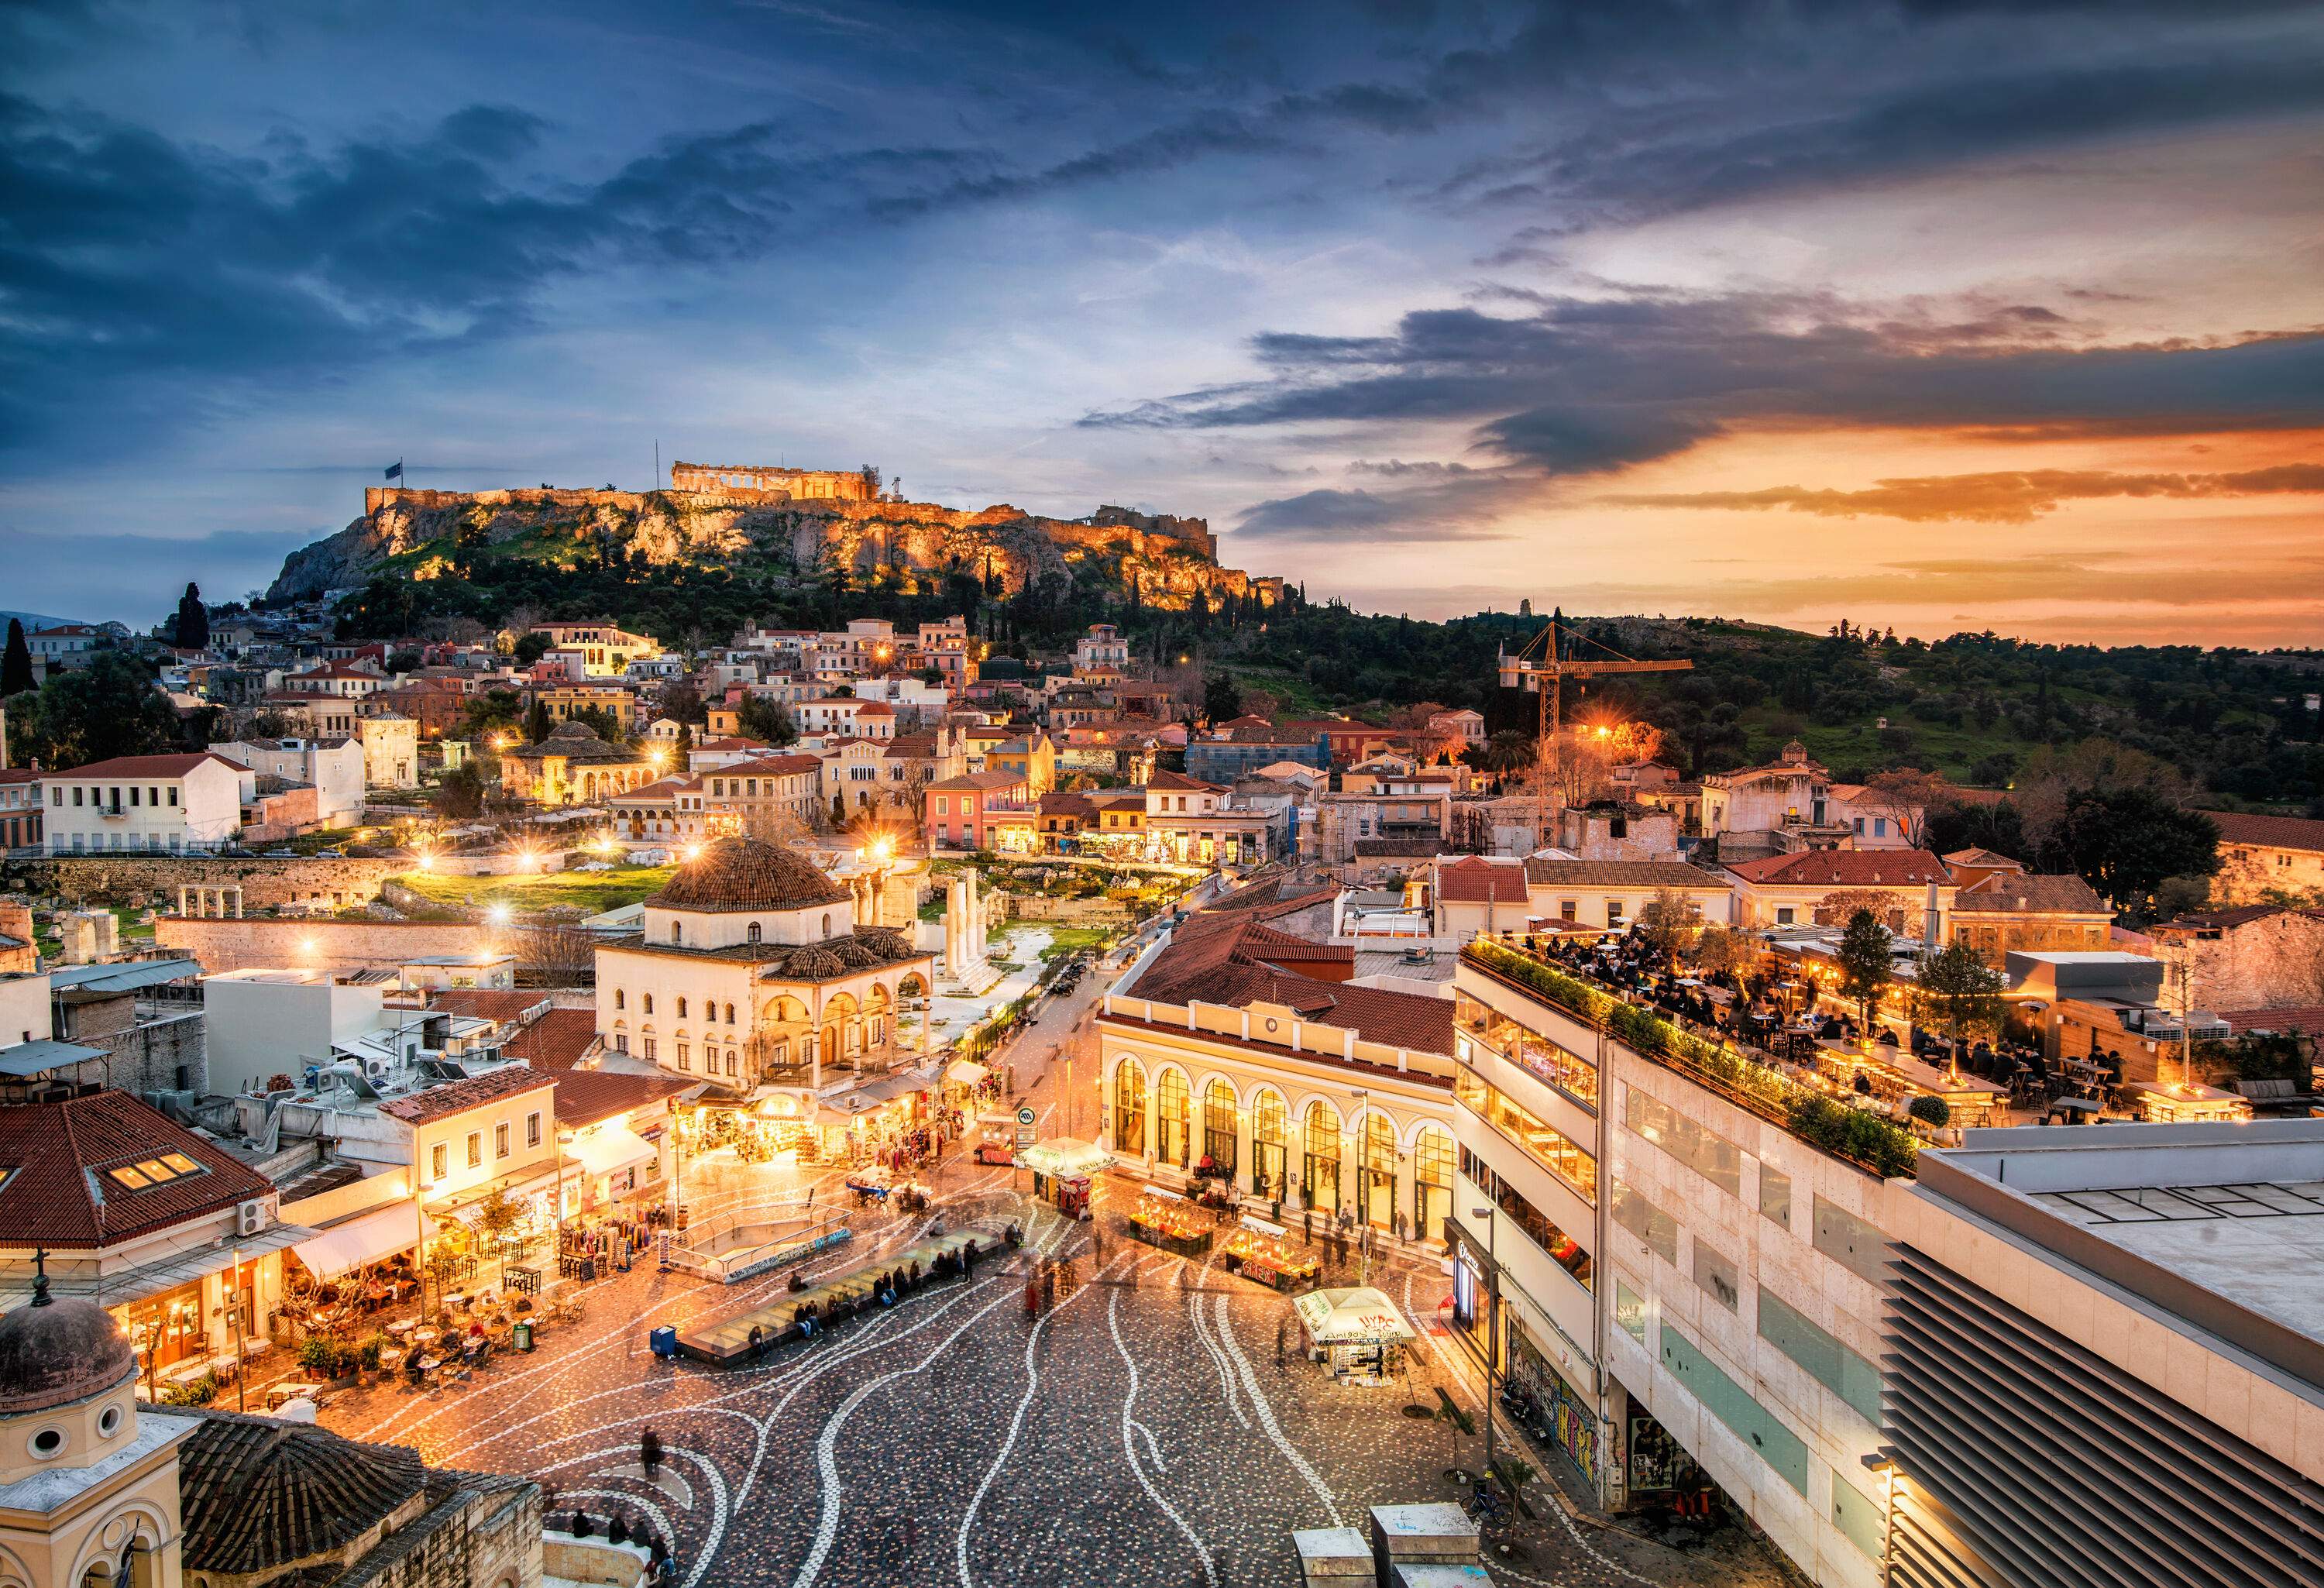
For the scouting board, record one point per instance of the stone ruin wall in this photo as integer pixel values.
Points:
(772, 483)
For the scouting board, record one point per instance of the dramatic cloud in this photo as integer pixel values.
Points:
(1990, 498)
(1533, 251)
(1585, 385)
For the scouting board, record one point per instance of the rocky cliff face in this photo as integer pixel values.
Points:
(1167, 559)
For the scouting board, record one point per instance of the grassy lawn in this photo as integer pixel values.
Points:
(1064, 940)
(592, 891)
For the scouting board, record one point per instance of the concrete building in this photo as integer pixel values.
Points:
(602, 650)
(765, 794)
(1610, 893)
(968, 811)
(298, 1022)
(159, 804)
(1691, 1286)
(1781, 808)
(2104, 1353)
(334, 769)
(1828, 886)
(2247, 957)
(20, 803)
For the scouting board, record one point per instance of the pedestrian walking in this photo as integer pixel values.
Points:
(1282, 1337)
(650, 1452)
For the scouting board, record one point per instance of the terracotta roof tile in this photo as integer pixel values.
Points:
(1845, 868)
(736, 874)
(586, 1096)
(2274, 832)
(2009, 892)
(556, 1041)
(145, 766)
(453, 1096)
(259, 1494)
(1619, 873)
(1473, 879)
(59, 1193)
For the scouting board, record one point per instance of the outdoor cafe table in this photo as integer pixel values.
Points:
(2179, 1104)
(1972, 1100)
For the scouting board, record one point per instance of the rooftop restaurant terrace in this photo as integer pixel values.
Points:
(1778, 1046)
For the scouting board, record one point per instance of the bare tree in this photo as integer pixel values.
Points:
(1905, 796)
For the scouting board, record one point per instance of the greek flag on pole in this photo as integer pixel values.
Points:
(395, 469)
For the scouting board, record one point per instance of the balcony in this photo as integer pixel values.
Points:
(112, 813)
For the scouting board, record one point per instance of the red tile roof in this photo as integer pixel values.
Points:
(2009, 892)
(586, 1096)
(2307, 1017)
(1845, 868)
(556, 1041)
(1180, 781)
(773, 766)
(490, 1003)
(2273, 831)
(145, 766)
(1474, 880)
(1229, 958)
(453, 1096)
(59, 1195)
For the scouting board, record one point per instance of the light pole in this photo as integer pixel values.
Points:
(1492, 1329)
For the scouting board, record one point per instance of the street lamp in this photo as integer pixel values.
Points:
(1492, 1331)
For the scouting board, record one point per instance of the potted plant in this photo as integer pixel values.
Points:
(1935, 1112)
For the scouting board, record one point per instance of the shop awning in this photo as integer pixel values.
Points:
(966, 1071)
(1064, 1155)
(1356, 1314)
(611, 1148)
(365, 1237)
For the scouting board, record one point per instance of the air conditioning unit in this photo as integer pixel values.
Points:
(250, 1217)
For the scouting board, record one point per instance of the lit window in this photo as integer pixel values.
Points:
(149, 1172)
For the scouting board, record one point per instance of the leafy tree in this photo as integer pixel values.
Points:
(768, 720)
(530, 648)
(1718, 950)
(1667, 921)
(536, 722)
(110, 707)
(1906, 796)
(681, 702)
(1957, 992)
(1222, 700)
(460, 792)
(16, 663)
(1864, 962)
(684, 746)
(2127, 842)
(192, 628)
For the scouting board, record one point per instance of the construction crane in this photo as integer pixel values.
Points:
(1544, 660)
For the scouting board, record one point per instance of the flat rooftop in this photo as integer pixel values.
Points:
(2213, 1222)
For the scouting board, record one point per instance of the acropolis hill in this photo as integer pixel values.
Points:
(807, 521)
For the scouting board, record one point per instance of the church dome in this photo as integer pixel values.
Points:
(54, 1353)
(746, 874)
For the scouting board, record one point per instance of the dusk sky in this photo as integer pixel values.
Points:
(1936, 315)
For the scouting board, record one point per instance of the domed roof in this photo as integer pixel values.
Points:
(260, 1493)
(54, 1353)
(748, 873)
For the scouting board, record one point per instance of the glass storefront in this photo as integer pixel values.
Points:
(1270, 1128)
(1219, 1108)
(1129, 1108)
(1432, 1182)
(1322, 1130)
(1171, 1108)
(1379, 1205)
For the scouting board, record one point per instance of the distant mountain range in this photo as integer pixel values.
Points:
(34, 620)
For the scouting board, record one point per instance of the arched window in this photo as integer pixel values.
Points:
(681, 1009)
(1171, 1106)
(1219, 1125)
(1432, 1182)
(1130, 1107)
(826, 923)
(752, 934)
(1270, 1127)
(1320, 1166)
(730, 1015)
(649, 1003)
(676, 932)
(620, 998)
(1378, 1208)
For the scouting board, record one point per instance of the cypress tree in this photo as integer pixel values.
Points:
(16, 664)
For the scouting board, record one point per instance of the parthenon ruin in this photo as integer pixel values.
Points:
(799, 484)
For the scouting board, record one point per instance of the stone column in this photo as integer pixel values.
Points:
(237, 901)
(181, 899)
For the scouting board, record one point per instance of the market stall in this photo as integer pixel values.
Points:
(1062, 1168)
(1162, 1218)
(1355, 1332)
(1260, 1251)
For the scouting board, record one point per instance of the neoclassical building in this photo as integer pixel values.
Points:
(756, 970)
(1246, 1046)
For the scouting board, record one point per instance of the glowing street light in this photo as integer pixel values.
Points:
(694, 851)
(498, 915)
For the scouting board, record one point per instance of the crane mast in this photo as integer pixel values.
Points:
(1542, 667)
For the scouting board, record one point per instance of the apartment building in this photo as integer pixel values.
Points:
(157, 804)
